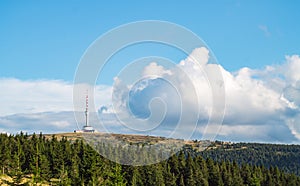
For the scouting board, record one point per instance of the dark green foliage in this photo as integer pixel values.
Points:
(285, 157)
(75, 163)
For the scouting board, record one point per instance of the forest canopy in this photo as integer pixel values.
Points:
(35, 159)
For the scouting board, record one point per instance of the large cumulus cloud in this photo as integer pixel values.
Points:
(261, 105)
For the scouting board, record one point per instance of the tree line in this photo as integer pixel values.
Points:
(285, 157)
(64, 162)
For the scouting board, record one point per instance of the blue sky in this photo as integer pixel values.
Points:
(42, 43)
(46, 39)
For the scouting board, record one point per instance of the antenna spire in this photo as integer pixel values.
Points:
(86, 108)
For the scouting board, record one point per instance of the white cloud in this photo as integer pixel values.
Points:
(172, 98)
(19, 96)
(155, 70)
(257, 133)
(46, 122)
(34, 96)
(45, 105)
(198, 56)
(249, 100)
(261, 105)
(291, 69)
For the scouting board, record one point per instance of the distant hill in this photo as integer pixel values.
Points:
(285, 157)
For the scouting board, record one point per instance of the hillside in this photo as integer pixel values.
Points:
(129, 138)
(285, 157)
(55, 160)
(276, 155)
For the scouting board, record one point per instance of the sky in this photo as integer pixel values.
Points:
(256, 44)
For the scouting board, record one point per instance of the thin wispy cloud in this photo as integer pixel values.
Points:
(265, 30)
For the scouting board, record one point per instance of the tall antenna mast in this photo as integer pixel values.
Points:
(86, 108)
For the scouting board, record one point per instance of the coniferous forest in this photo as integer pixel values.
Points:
(285, 157)
(36, 160)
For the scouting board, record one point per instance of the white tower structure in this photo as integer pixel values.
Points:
(87, 127)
